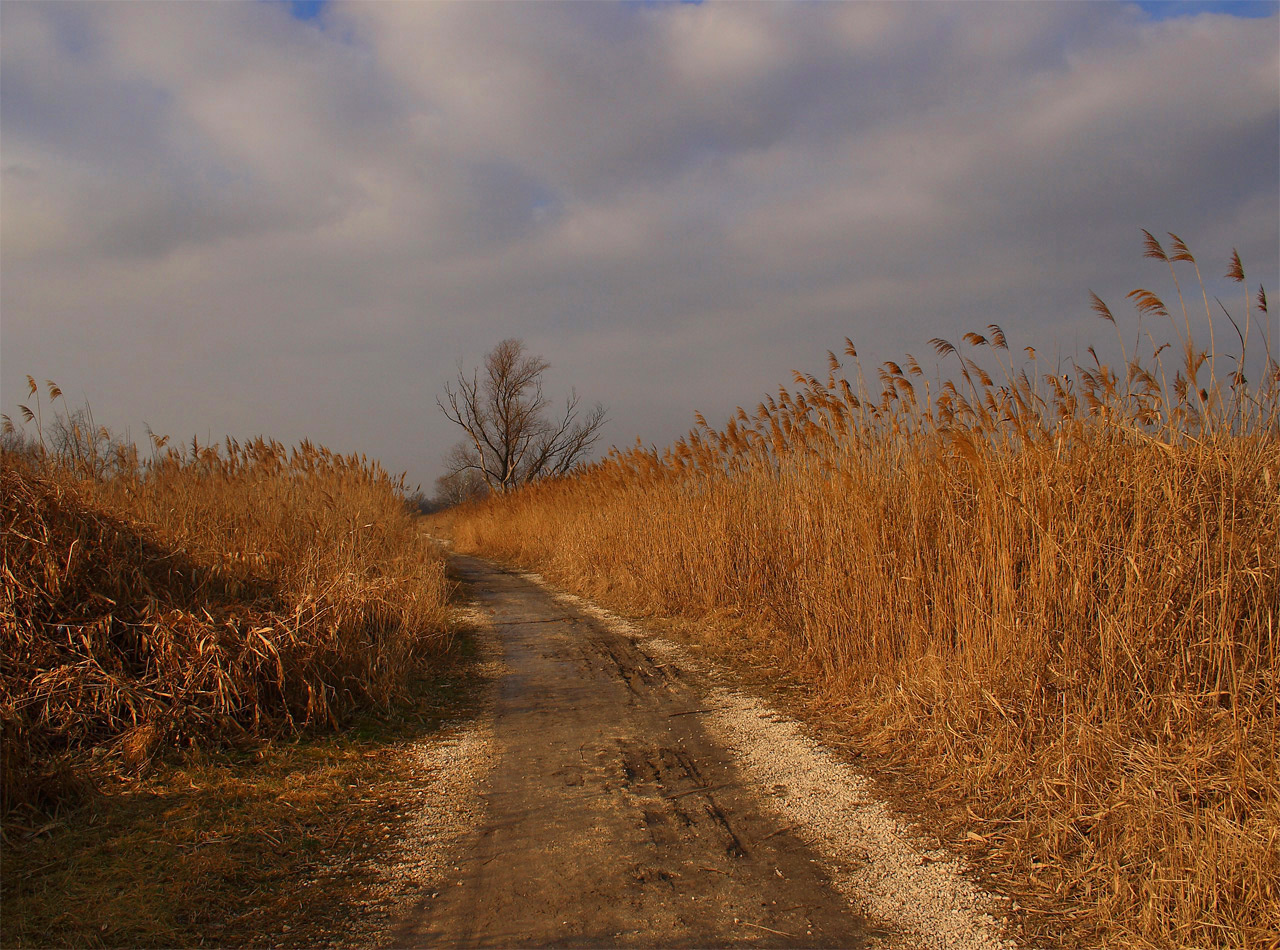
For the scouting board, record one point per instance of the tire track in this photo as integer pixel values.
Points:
(613, 815)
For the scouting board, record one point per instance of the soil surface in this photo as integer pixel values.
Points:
(613, 813)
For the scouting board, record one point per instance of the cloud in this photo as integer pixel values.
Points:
(226, 218)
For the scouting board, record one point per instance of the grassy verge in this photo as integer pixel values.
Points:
(271, 844)
(1047, 591)
(211, 663)
(194, 599)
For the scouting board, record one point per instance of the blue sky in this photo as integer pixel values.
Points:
(1166, 9)
(1158, 9)
(295, 221)
(306, 9)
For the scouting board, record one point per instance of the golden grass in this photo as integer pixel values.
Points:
(197, 597)
(1055, 592)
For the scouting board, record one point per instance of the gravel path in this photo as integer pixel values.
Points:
(617, 795)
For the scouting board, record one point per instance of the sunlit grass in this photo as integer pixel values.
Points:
(1053, 587)
(197, 598)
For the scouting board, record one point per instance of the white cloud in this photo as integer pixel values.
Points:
(218, 218)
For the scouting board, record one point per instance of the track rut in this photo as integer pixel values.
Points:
(611, 816)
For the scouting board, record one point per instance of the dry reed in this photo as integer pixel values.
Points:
(1055, 592)
(196, 597)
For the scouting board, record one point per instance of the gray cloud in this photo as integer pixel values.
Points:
(220, 219)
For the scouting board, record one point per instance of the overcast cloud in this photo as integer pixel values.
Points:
(219, 218)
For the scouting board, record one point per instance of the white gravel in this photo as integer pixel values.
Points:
(922, 895)
(447, 807)
(450, 770)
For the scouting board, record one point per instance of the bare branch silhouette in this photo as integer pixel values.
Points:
(509, 439)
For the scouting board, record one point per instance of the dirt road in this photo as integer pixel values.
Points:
(615, 812)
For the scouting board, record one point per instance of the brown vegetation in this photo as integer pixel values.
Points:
(197, 597)
(1055, 591)
(279, 843)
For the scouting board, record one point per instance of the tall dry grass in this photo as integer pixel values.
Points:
(196, 596)
(1054, 591)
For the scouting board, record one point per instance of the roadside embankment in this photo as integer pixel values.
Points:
(216, 667)
(199, 598)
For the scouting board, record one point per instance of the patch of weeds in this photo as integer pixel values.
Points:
(269, 845)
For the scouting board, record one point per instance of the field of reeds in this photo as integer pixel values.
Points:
(194, 598)
(1052, 589)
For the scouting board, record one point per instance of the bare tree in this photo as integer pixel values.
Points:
(509, 440)
(460, 483)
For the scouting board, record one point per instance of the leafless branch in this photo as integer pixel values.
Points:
(509, 441)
